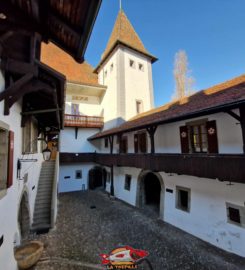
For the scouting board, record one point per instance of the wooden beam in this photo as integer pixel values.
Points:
(242, 116)
(234, 115)
(16, 86)
(19, 67)
(40, 111)
(151, 131)
(112, 181)
(111, 138)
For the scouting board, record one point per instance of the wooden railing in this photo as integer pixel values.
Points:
(73, 120)
(221, 167)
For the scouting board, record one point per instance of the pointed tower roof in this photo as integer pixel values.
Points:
(124, 33)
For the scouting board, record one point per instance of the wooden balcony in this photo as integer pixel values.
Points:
(221, 167)
(84, 121)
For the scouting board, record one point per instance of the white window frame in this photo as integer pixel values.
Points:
(30, 146)
(241, 210)
(177, 199)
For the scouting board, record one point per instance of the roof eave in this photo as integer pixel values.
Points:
(203, 112)
(117, 43)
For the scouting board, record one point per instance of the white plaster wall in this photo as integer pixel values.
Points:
(73, 184)
(91, 107)
(207, 218)
(137, 83)
(109, 101)
(167, 138)
(128, 196)
(69, 144)
(9, 204)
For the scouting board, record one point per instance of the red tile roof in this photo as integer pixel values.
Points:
(65, 64)
(228, 94)
(124, 33)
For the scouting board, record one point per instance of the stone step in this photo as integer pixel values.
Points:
(41, 226)
(41, 216)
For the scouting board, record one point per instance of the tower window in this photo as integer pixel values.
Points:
(131, 63)
(111, 67)
(139, 106)
(141, 67)
(105, 73)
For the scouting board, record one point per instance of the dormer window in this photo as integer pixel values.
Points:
(131, 63)
(141, 67)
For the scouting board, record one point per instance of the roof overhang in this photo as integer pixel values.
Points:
(133, 126)
(68, 24)
(85, 89)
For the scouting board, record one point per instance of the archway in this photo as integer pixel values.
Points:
(24, 216)
(95, 178)
(150, 193)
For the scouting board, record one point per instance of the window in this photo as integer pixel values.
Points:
(235, 214)
(183, 196)
(106, 142)
(78, 174)
(75, 109)
(6, 158)
(139, 106)
(123, 147)
(127, 183)
(141, 67)
(198, 138)
(30, 135)
(105, 73)
(140, 142)
(3, 160)
(111, 67)
(131, 63)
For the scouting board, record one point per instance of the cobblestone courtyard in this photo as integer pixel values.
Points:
(89, 223)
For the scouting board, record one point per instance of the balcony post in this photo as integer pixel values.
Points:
(151, 131)
(112, 181)
(242, 121)
(111, 138)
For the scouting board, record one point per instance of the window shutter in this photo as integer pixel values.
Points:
(10, 159)
(184, 140)
(212, 137)
(136, 139)
(143, 142)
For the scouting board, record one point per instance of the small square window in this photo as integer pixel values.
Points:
(78, 174)
(131, 63)
(235, 214)
(106, 143)
(139, 106)
(141, 67)
(127, 183)
(183, 196)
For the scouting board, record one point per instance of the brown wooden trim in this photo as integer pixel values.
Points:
(212, 166)
(10, 159)
(242, 117)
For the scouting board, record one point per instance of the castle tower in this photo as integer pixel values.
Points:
(125, 68)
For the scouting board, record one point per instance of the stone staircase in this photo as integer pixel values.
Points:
(42, 210)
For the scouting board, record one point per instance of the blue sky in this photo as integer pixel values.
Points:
(211, 32)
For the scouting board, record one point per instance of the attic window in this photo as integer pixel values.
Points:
(131, 63)
(141, 67)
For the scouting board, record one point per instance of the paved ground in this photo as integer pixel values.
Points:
(83, 232)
